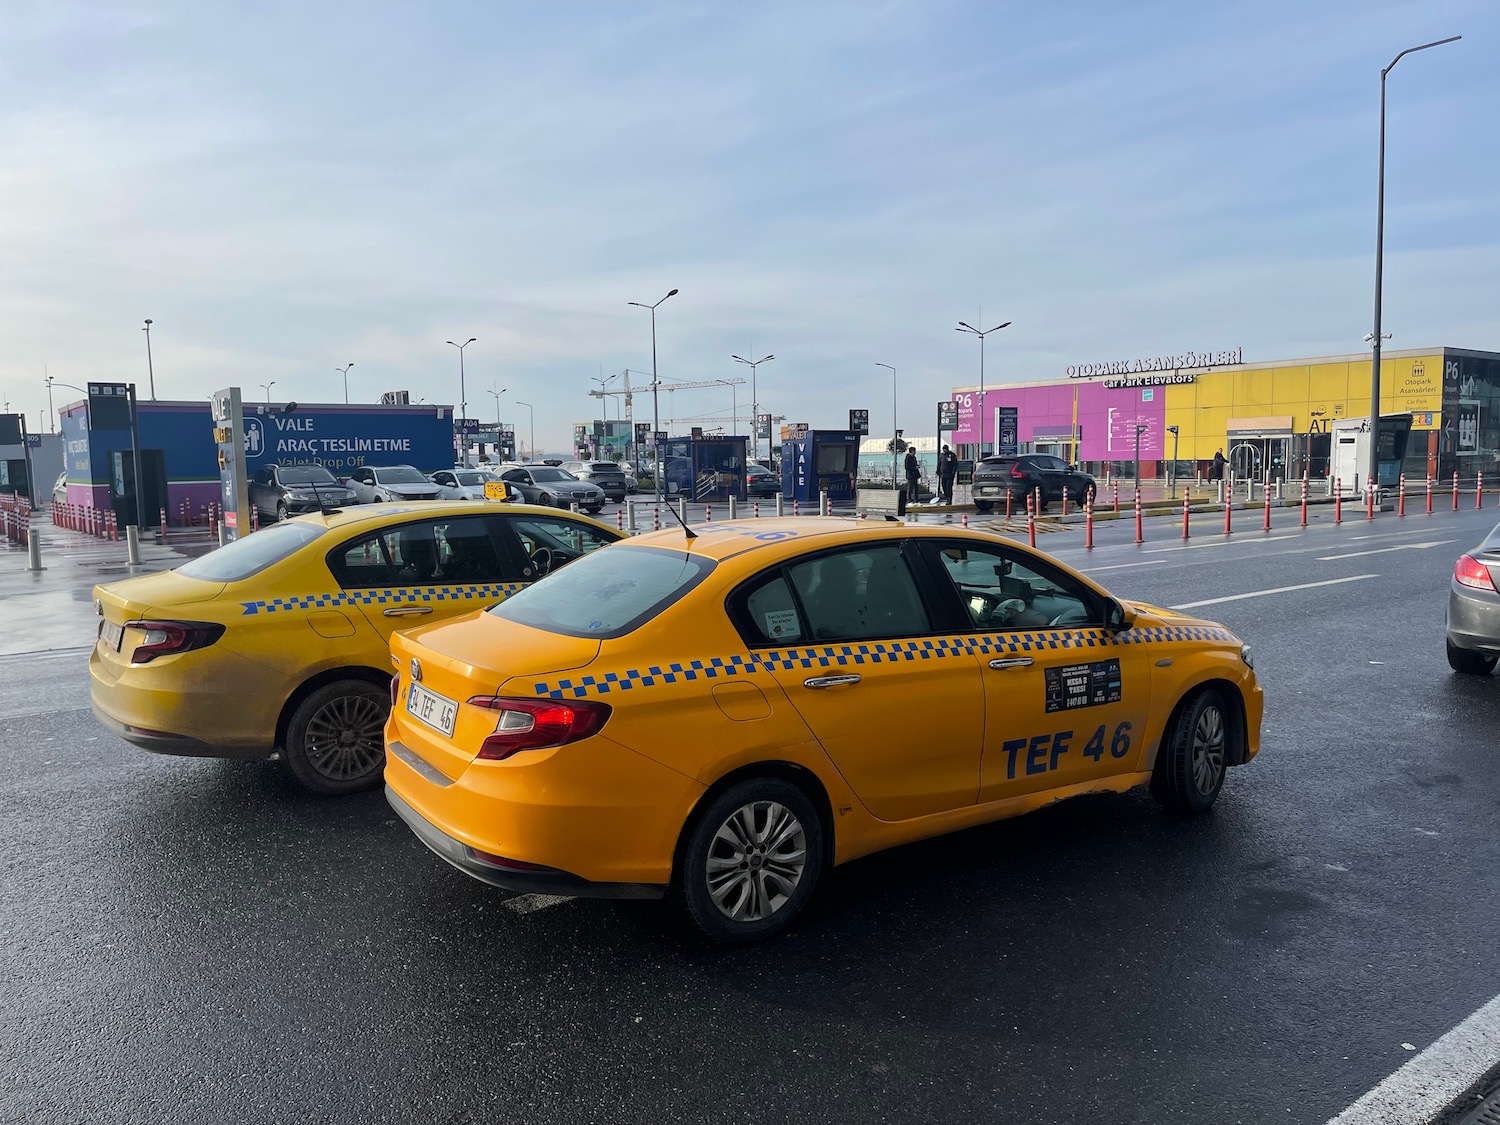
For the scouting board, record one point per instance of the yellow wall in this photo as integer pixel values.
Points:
(1202, 409)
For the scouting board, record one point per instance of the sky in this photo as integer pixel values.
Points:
(287, 188)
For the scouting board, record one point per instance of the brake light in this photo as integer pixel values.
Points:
(166, 638)
(1016, 471)
(537, 724)
(1469, 571)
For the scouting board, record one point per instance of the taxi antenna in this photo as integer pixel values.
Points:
(676, 515)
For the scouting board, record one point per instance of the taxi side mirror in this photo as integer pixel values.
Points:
(1117, 618)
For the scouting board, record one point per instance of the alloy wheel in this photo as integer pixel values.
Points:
(1208, 750)
(755, 861)
(345, 737)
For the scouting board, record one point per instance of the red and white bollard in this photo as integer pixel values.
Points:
(163, 525)
(966, 521)
(620, 519)
(1088, 522)
(1186, 512)
(708, 513)
(1369, 501)
(1228, 508)
(1065, 500)
(1304, 501)
(1479, 490)
(1338, 500)
(757, 509)
(1266, 524)
(794, 507)
(655, 519)
(1030, 522)
(1115, 485)
(1429, 496)
(1009, 497)
(1139, 537)
(254, 518)
(1455, 491)
(1401, 495)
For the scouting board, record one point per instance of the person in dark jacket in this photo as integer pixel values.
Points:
(913, 473)
(1217, 472)
(947, 473)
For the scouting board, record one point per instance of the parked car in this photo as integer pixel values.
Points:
(380, 484)
(280, 491)
(280, 641)
(608, 475)
(60, 489)
(1021, 475)
(1473, 619)
(761, 481)
(468, 484)
(553, 486)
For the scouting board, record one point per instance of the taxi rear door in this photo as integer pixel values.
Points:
(852, 640)
(1066, 700)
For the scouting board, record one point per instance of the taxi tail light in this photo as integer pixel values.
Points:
(166, 638)
(536, 724)
(1469, 571)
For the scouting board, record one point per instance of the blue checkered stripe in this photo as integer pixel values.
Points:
(384, 596)
(870, 652)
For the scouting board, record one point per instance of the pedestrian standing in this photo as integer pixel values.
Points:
(1217, 472)
(947, 472)
(913, 473)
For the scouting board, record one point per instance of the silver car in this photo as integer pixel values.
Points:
(1474, 609)
(468, 484)
(384, 483)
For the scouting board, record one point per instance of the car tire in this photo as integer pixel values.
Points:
(282, 512)
(335, 741)
(1194, 755)
(723, 860)
(982, 506)
(547, 500)
(595, 509)
(1469, 663)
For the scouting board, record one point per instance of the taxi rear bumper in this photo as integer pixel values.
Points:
(507, 874)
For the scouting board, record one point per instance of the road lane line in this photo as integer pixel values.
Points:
(1386, 550)
(526, 904)
(1121, 566)
(1430, 1081)
(1276, 590)
(1220, 543)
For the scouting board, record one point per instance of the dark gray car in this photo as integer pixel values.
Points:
(606, 474)
(1023, 475)
(1474, 609)
(554, 487)
(279, 491)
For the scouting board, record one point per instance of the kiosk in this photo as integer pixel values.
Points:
(705, 468)
(820, 461)
(1351, 451)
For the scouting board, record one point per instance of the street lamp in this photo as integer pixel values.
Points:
(532, 409)
(1372, 469)
(1140, 428)
(964, 326)
(655, 395)
(267, 388)
(603, 382)
(496, 395)
(894, 431)
(463, 399)
(150, 371)
(55, 382)
(1172, 468)
(755, 406)
(734, 400)
(345, 372)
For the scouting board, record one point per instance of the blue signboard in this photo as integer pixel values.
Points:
(343, 438)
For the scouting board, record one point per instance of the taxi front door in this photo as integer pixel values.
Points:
(898, 709)
(1065, 701)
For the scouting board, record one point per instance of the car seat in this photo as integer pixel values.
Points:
(418, 554)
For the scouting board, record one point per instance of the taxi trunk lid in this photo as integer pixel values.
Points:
(471, 657)
(148, 597)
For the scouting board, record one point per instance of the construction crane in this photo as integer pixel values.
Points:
(695, 384)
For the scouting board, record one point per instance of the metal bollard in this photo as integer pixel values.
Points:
(734, 507)
(682, 508)
(132, 544)
(223, 535)
(1088, 522)
(630, 516)
(780, 504)
(824, 507)
(33, 546)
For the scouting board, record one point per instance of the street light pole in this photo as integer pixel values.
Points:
(603, 382)
(655, 396)
(150, 371)
(963, 326)
(532, 409)
(1172, 468)
(496, 395)
(267, 388)
(755, 405)
(894, 430)
(1372, 468)
(1140, 428)
(345, 372)
(463, 401)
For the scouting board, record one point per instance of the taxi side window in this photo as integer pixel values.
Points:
(552, 541)
(770, 612)
(860, 595)
(426, 553)
(1004, 590)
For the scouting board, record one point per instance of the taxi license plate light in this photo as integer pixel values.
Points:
(1469, 571)
(537, 724)
(167, 638)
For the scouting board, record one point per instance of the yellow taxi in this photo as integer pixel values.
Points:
(280, 641)
(727, 714)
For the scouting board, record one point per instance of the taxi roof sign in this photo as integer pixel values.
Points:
(496, 490)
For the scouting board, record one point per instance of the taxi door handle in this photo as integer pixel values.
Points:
(831, 681)
(1012, 662)
(408, 611)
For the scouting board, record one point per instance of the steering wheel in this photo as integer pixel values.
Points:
(1074, 616)
(991, 601)
(541, 560)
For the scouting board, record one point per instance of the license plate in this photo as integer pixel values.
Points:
(985, 491)
(429, 707)
(112, 635)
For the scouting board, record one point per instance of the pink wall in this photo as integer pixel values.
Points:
(1106, 418)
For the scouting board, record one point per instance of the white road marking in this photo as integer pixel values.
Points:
(1230, 542)
(526, 904)
(1384, 550)
(1428, 1083)
(1120, 566)
(1276, 590)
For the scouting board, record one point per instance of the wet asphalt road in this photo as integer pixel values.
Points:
(191, 941)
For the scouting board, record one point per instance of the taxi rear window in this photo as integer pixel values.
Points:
(252, 554)
(606, 594)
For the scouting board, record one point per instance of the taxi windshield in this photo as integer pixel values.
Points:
(254, 553)
(606, 594)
